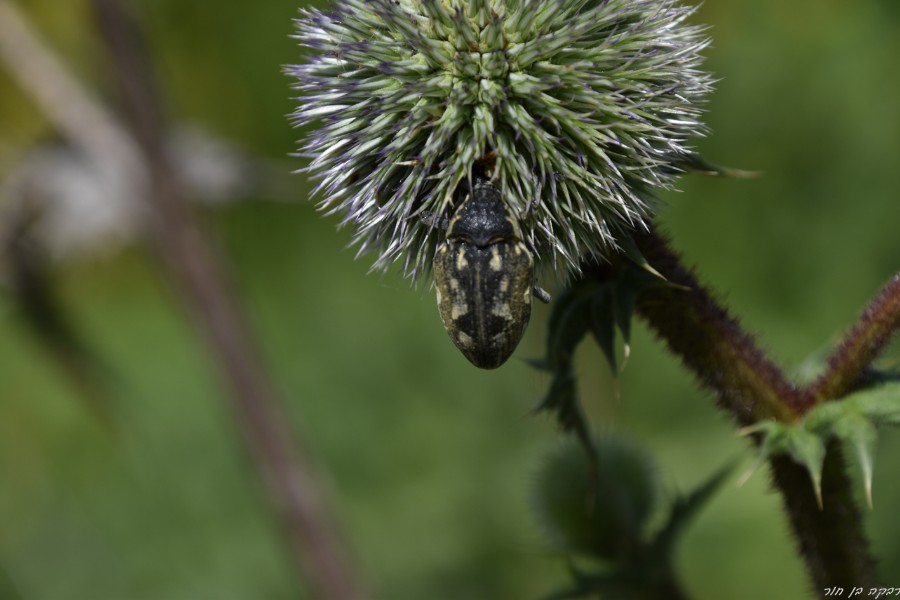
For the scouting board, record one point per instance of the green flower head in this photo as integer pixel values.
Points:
(576, 109)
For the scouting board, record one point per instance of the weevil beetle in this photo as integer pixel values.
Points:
(484, 277)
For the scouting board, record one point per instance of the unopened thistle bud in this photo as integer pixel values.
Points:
(576, 110)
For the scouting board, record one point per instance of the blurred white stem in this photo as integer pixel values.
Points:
(71, 107)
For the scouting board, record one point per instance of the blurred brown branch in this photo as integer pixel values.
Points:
(197, 271)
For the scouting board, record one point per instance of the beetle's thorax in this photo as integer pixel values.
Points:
(483, 219)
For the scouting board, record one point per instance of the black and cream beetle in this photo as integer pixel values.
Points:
(484, 276)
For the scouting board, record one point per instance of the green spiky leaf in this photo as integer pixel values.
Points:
(603, 322)
(561, 400)
(600, 308)
(695, 162)
(588, 306)
(852, 420)
(569, 321)
(880, 403)
(686, 508)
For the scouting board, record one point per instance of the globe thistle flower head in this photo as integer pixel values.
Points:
(576, 109)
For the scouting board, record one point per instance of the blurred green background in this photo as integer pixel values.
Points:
(429, 461)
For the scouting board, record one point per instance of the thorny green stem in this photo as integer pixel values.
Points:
(751, 387)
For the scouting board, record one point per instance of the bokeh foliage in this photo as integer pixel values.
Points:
(430, 461)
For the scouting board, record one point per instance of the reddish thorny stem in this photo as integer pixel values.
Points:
(862, 344)
(726, 360)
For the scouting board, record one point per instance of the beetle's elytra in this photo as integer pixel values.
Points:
(484, 276)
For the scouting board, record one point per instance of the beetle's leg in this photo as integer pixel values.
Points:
(429, 218)
(541, 294)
